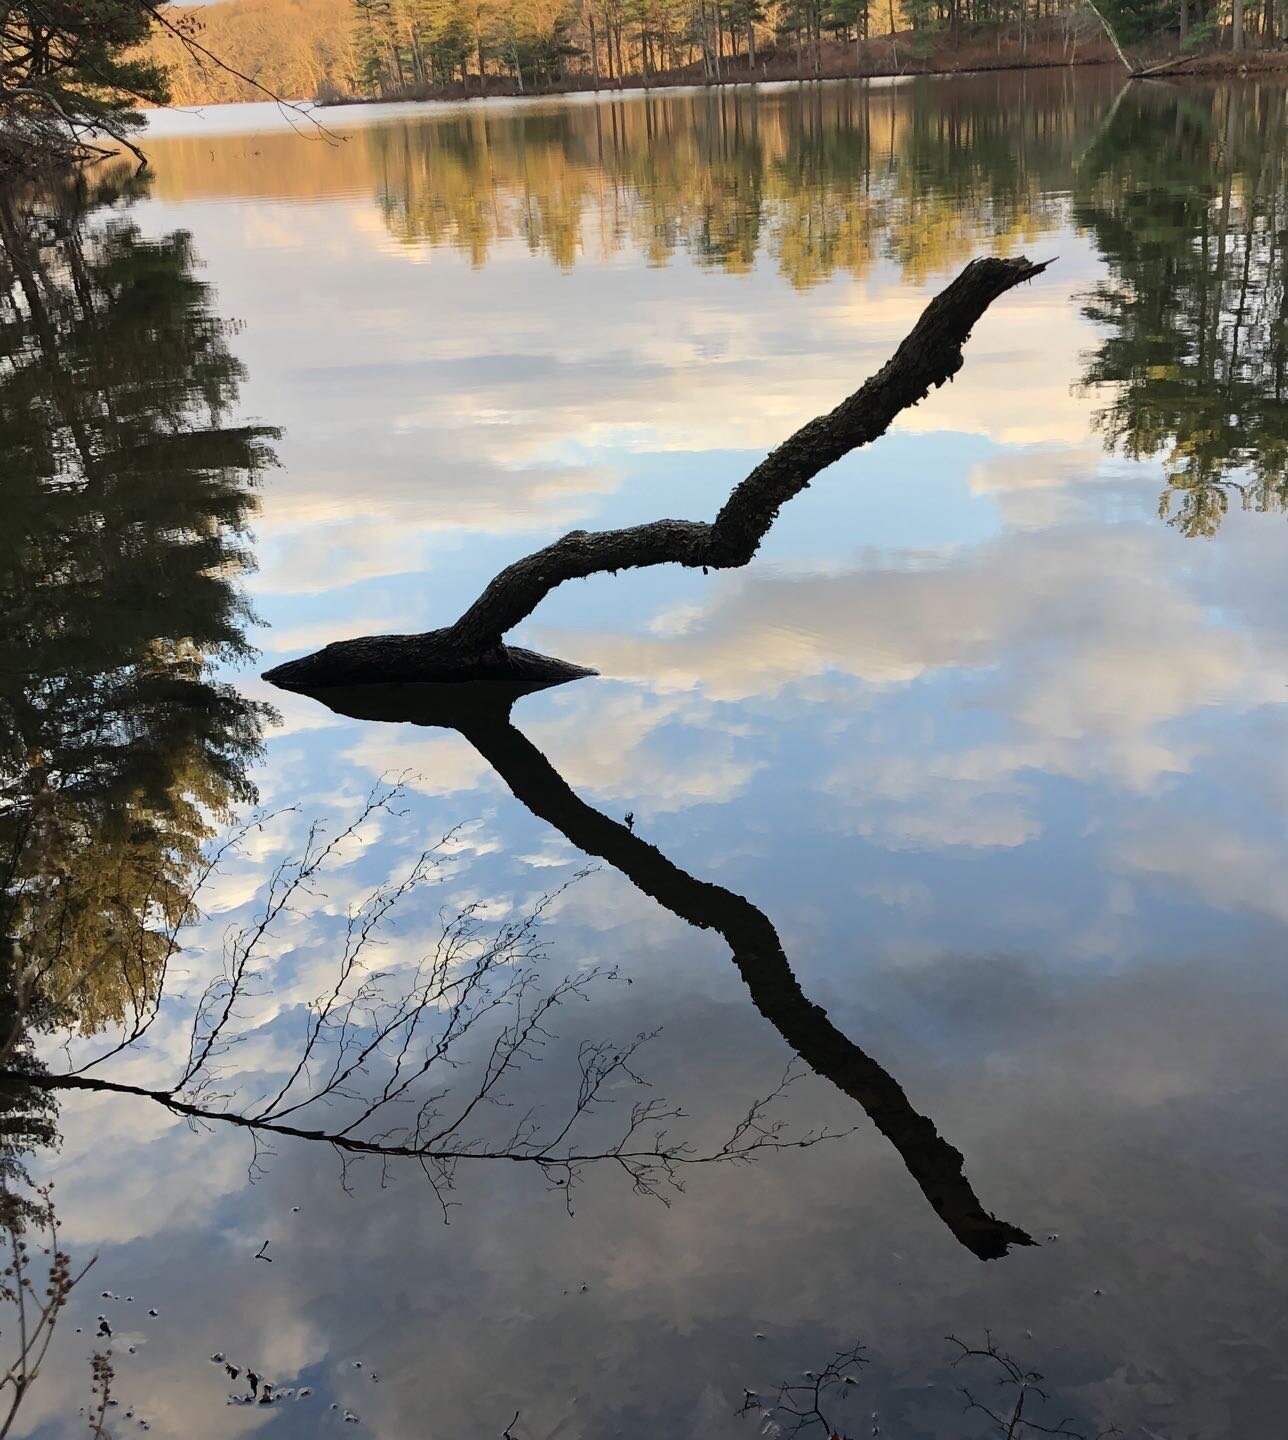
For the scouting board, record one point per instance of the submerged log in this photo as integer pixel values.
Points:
(473, 648)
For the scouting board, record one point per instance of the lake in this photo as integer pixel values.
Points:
(912, 894)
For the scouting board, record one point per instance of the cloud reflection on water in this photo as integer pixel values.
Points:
(1011, 790)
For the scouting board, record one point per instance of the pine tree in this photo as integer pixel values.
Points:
(72, 69)
(126, 495)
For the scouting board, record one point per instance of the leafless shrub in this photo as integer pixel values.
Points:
(35, 1286)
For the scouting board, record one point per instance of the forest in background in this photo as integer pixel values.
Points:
(334, 49)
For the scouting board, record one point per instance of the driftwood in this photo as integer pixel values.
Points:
(473, 648)
(481, 714)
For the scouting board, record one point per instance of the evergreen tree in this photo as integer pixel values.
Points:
(126, 493)
(71, 68)
(1187, 206)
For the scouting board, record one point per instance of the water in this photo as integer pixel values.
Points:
(984, 753)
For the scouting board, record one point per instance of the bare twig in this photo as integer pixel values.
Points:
(184, 34)
(801, 1401)
(36, 1284)
(411, 1062)
(1019, 1386)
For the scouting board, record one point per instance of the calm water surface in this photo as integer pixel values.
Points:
(991, 734)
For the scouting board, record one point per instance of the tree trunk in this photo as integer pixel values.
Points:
(1110, 32)
(1236, 26)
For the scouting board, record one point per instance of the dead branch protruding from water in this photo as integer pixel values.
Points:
(473, 648)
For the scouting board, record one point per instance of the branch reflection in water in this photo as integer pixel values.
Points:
(481, 713)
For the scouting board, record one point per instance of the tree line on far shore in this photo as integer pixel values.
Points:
(329, 49)
(72, 74)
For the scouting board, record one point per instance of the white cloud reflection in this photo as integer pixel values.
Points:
(1057, 734)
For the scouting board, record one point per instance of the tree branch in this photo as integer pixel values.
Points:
(203, 54)
(401, 1060)
(473, 647)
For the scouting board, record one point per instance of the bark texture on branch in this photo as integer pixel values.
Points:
(482, 715)
(473, 648)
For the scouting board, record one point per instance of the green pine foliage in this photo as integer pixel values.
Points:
(127, 495)
(72, 71)
(1193, 304)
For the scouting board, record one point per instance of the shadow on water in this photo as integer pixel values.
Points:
(481, 713)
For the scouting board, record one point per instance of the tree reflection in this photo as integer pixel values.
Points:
(820, 181)
(1184, 192)
(480, 712)
(27, 1115)
(1187, 197)
(126, 494)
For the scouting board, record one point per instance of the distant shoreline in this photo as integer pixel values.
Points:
(974, 56)
(881, 60)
